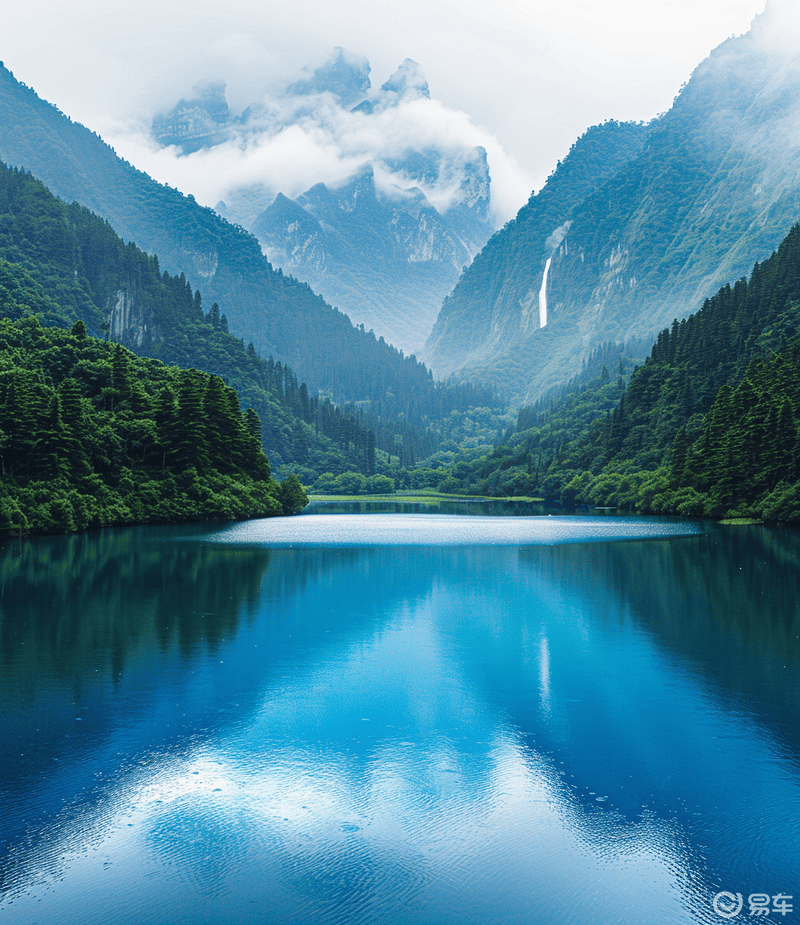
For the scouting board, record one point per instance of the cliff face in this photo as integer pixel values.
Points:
(130, 324)
(495, 303)
(642, 224)
(383, 255)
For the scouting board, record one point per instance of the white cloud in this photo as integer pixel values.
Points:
(533, 73)
(293, 141)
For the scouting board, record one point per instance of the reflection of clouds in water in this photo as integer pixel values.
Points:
(409, 763)
(444, 530)
(380, 778)
(305, 831)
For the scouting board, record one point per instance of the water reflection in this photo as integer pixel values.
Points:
(225, 732)
(495, 507)
(95, 599)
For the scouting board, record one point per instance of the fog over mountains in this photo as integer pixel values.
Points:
(639, 223)
(281, 316)
(378, 196)
(387, 237)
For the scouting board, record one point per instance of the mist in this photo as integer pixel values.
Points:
(531, 76)
(295, 136)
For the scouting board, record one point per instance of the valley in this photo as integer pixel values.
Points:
(400, 465)
(560, 340)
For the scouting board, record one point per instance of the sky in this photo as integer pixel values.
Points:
(523, 77)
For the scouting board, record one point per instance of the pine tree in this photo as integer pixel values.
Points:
(253, 424)
(75, 437)
(166, 418)
(50, 462)
(191, 447)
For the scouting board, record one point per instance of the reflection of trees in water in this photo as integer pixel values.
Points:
(67, 600)
(739, 583)
(69, 605)
(736, 587)
(726, 602)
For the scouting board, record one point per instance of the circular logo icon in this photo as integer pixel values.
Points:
(728, 905)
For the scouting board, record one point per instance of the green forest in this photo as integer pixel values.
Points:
(91, 435)
(706, 426)
(64, 263)
(63, 266)
(120, 389)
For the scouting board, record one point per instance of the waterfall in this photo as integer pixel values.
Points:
(543, 295)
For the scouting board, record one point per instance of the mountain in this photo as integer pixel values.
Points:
(709, 424)
(384, 243)
(495, 305)
(706, 426)
(690, 202)
(386, 256)
(67, 265)
(344, 75)
(199, 122)
(280, 316)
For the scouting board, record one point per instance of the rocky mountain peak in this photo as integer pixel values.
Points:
(200, 121)
(344, 74)
(475, 190)
(408, 81)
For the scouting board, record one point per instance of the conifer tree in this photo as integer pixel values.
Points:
(191, 447)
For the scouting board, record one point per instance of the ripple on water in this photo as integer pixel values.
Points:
(444, 530)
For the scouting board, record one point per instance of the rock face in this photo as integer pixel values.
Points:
(642, 223)
(130, 324)
(495, 307)
(344, 74)
(196, 123)
(408, 80)
(385, 256)
(385, 244)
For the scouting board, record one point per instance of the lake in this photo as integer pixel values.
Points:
(401, 718)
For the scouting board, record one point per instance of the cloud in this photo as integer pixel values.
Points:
(316, 132)
(778, 28)
(534, 75)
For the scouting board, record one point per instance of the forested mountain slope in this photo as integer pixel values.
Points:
(708, 425)
(282, 317)
(715, 187)
(92, 435)
(66, 264)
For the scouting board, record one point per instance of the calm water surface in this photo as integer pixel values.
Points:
(400, 719)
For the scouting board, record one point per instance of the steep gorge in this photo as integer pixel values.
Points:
(659, 217)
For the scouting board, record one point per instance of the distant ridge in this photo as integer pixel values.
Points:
(280, 316)
(706, 190)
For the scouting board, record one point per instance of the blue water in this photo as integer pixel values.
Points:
(400, 719)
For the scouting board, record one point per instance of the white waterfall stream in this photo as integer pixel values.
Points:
(543, 295)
